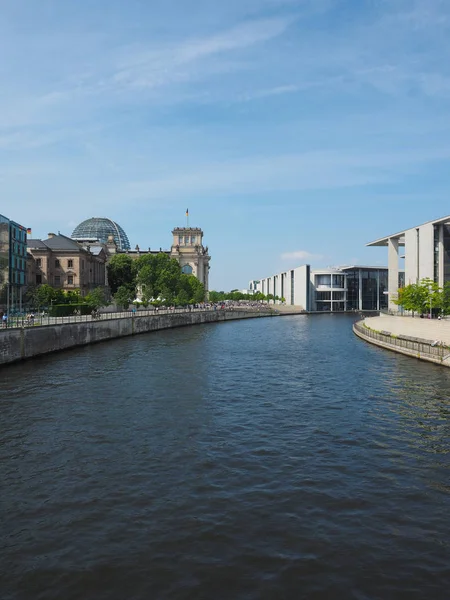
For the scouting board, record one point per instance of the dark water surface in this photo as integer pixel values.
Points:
(270, 458)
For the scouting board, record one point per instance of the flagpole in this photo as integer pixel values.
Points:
(187, 218)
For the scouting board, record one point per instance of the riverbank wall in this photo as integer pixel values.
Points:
(27, 342)
(427, 350)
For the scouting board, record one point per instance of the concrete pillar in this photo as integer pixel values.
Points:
(378, 290)
(331, 292)
(393, 272)
(441, 255)
(360, 303)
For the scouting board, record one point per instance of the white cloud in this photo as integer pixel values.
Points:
(164, 64)
(300, 255)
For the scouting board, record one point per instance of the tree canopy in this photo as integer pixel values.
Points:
(424, 297)
(236, 296)
(157, 277)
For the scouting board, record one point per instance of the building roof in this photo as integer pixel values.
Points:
(57, 242)
(400, 236)
(368, 267)
(61, 242)
(36, 244)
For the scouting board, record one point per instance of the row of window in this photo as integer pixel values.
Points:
(188, 240)
(58, 263)
(18, 234)
(18, 263)
(56, 280)
(18, 278)
(19, 249)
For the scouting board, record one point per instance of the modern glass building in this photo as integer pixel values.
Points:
(13, 264)
(337, 289)
(425, 252)
(99, 228)
(366, 288)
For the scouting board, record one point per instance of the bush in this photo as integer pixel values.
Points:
(66, 310)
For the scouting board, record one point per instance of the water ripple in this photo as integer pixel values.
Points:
(275, 458)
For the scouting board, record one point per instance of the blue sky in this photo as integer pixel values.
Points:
(294, 130)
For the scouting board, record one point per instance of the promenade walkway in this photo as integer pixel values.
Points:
(426, 329)
(21, 322)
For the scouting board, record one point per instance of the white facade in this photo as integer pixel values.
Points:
(333, 289)
(426, 250)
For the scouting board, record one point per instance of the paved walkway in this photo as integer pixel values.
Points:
(426, 329)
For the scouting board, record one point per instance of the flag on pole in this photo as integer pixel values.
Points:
(187, 212)
(28, 230)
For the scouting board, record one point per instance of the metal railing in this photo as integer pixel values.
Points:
(435, 349)
(23, 321)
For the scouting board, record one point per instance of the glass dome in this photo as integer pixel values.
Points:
(100, 228)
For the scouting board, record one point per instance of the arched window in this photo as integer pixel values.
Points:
(186, 269)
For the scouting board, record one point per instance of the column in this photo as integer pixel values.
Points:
(393, 272)
(378, 290)
(441, 256)
(360, 301)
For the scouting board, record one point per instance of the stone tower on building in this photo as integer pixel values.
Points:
(188, 249)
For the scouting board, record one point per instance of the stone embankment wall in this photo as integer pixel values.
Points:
(23, 343)
(410, 346)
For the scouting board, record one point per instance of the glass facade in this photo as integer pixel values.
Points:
(367, 285)
(100, 228)
(446, 253)
(13, 264)
(436, 254)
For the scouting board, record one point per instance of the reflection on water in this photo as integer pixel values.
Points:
(274, 458)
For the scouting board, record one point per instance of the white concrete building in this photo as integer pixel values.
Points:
(426, 252)
(335, 289)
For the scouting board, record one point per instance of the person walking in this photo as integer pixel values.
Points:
(5, 320)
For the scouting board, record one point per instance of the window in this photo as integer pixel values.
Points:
(323, 280)
(180, 239)
(322, 296)
(57, 280)
(186, 269)
(38, 279)
(57, 264)
(39, 262)
(70, 279)
(186, 239)
(192, 239)
(70, 263)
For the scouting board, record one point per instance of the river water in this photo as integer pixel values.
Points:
(262, 459)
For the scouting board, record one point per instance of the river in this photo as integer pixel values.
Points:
(271, 458)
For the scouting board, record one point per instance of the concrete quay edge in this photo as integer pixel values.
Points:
(422, 349)
(25, 343)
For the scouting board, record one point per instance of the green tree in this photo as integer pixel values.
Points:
(420, 297)
(96, 298)
(194, 288)
(31, 296)
(445, 299)
(73, 297)
(121, 272)
(182, 298)
(45, 294)
(216, 296)
(123, 297)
